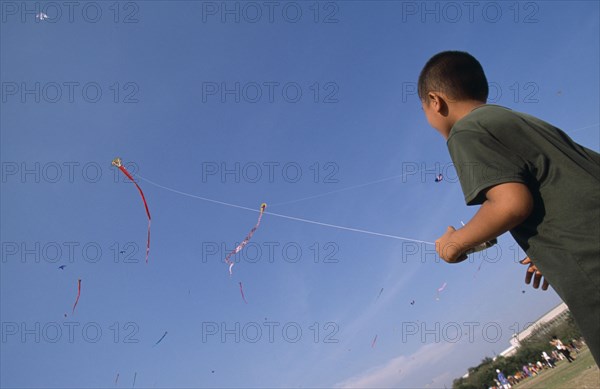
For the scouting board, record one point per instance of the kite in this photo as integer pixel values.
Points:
(134, 377)
(440, 289)
(41, 16)
(412, 302)
(239, 248)
(62, 267)
(380, 292)
(439, 178)
(117, 379)
(78, 294)
(374, 341)
(160, 340)
(117, 162)
(242, 292)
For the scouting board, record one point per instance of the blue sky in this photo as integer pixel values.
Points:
(307, 106)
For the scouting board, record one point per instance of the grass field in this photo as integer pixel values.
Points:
(582, 373)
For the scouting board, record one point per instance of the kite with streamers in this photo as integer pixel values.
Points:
(239, 248)
(117, 162)
(242, 292)
(161, 338)
(78, 294)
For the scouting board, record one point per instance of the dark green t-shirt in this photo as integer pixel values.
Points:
(494, 145)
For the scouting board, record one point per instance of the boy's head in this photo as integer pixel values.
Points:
(456, 74)
(451, 84)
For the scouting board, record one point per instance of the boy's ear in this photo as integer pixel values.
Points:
(438, 102)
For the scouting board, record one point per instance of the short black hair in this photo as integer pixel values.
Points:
(457, 74)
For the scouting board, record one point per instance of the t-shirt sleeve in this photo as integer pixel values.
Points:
(482, 161)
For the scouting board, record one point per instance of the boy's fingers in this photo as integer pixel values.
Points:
(525, 261)
(528, 275)
(536, 282)
(545, 285)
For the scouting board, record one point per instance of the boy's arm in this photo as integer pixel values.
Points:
(506, 206)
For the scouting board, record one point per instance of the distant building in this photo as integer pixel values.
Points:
(558, 312)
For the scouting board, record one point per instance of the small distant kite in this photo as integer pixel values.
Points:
(440, 289)
(117, 162)
(374, 341)
(41, 16)
(412, 302)
(439, 178)
(134, 377)
(117, 379)
(239, 248)
(78, 294)
(242, 292)
(160, 340)
(62, 267)
(380, 292)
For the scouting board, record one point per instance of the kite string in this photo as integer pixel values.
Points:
(385, 179)
(285, 216)
(344, 189)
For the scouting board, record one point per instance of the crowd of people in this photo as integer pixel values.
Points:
(548, 361)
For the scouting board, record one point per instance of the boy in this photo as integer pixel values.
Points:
(530, 178)
(561, 348)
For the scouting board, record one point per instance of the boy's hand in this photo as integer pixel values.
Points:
(448, 248)
(530, 273)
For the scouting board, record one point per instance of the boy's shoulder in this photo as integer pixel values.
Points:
(486, 114)
(490, 118)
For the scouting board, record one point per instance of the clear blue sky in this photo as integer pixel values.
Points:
(326, 104)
